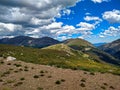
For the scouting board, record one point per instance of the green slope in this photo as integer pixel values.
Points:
(56, 57)
(89, 49)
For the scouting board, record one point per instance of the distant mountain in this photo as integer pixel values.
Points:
(29, 41)
(99, 44)
(77, 44)
(93, 52)
(112, 48)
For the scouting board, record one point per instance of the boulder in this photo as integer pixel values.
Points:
(10, 58)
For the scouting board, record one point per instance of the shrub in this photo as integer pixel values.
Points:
(25, 66)
(16, 71)
(19, 83)
(9, 64)
(82, 85)
(26, 69)
(20, 69)
(10, 81)
(1, 62)
(32, 67)
(17, 65)
(83, 80)
(42, 75)
(92, 73)
(49, 76)
(1, 80)
(112, 87)
(103, 87)
(62, 80)
(22, 78)
(105, 84)
(41, 71)
(58, 82)
(11, 69)
(7, 72)
(36, 76)
(39, 88)
(85, 72)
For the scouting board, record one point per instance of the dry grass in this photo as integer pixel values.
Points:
(52, 78)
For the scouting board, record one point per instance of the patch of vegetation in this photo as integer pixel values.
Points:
(105, 84)
(18, 84)
(42, 75)
(1, 62)
(9, 64)
(112, 87)
(83, 80)
(16, 71)
(6, 88)
(26, 69)
(20, 69)
(36, 76)
(32, 68)
(57, 58)
(92, 73)
(17, 65)
(82, 85)
(1, 80)
(10, 81)
(103, 87)
(39, 88)
(22, 78)
(62, 80)
(58, 82)
(11, 69)
(49, 76)
(41, 71)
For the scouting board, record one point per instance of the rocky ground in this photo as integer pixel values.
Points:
(17, 75)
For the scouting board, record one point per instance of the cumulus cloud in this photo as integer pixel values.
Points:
(92, 18)
(111, 31)
(10, 29)
(100, 1)
(112, 16)
(35, 17)
(86, 26)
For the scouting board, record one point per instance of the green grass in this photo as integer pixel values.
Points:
(58, 58)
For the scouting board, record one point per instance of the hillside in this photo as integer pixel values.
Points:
(61, 47)
(112, 48)
(57, 58)
(93, 52)
(18, 75)
(29, 41)
(77, 43)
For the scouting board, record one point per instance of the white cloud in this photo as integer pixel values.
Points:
(10, 29)
(92, 18)
(112, 16)
(111, 31)
(66, 12)
(36, 17)
(100, 1)
(87, 13)
(86, 26)
(54, 25)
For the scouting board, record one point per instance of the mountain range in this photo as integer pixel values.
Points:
(112, 48)
(29, 41)
(69, 46)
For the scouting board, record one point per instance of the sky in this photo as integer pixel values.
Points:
(93, 20)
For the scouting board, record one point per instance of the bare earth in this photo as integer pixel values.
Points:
(17, 75)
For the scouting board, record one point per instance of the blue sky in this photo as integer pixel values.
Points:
(92, 20)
